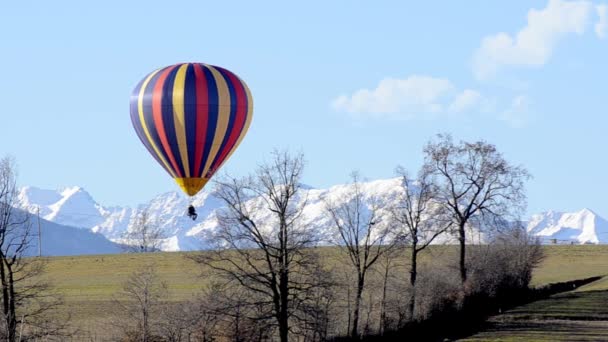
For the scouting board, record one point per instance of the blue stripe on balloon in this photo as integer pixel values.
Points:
(190, 116)
(213, 114)
(168, 118)
(232, 117)
(147, 113)
(137, 124)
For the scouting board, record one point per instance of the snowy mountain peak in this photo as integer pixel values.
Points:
(71, 190)
(74, 206)
(71, 206)
(586, 212)
(35, 196)
(583, 226)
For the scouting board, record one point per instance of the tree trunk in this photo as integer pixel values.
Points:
(383, 304)
(350, 311)
(283, 283)
(13, 310)
(413, 275)
(5, 299)
(354, 332)
(8, 301)
(463, 267)
(145, 328)
(283, 313)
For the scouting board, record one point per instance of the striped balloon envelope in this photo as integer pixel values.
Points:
(191, 117)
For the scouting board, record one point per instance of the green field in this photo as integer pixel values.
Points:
(89, 284)
(564, 263)
(578, 315)
(571, 316)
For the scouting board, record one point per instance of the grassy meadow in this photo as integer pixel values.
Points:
(578, 315)
(90, 283)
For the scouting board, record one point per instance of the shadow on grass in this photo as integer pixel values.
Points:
(455, 323)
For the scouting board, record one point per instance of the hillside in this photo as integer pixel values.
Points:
(57, 239)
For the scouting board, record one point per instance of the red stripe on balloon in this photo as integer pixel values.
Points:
(157, 113)
(241, 114)
(202, 113)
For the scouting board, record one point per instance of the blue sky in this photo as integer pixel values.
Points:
(352, 84)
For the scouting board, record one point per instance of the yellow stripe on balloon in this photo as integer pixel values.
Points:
(179, 119)
(247, 122)
(223, 116)
(142, 120)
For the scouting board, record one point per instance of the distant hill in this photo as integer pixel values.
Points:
(61, 240)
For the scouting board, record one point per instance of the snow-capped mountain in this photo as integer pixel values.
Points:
(75, 207)
(583, 226)
(69, 206)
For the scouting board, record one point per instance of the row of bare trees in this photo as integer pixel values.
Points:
(264, 246)
(270, 279)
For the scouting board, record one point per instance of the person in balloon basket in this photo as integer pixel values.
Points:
(192, 212)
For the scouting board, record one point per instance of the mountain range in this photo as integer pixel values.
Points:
(65, 209)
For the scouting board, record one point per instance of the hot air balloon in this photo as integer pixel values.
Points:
(191, 117)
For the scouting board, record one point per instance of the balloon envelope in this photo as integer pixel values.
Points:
(191, 117)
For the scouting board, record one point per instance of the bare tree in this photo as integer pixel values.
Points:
(506, 262)
(144, 235)
(232, 314)
(364, 235)
(316, 312)
(141, 303)
(261, 240)
(476, 184)
(387, 264)
(26, 299)
(420, 219)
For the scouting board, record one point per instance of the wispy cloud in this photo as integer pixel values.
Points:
(414, 97)
(427, 97)
(466, 100)
(533, 45)
(601, 27)
(518, 114)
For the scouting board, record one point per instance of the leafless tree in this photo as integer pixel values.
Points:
(27, 300)
(420, 220)
(230, 313)
(144, 235)
(506, 262)
(387, 264)
(364, 235)
(317, 311)
(140, 304)
(476, 184)
(261, 240)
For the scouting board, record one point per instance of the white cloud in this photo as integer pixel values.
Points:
(464, 101)
(601, 27)
(413, 97)
(518, 114)
(533, 44)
